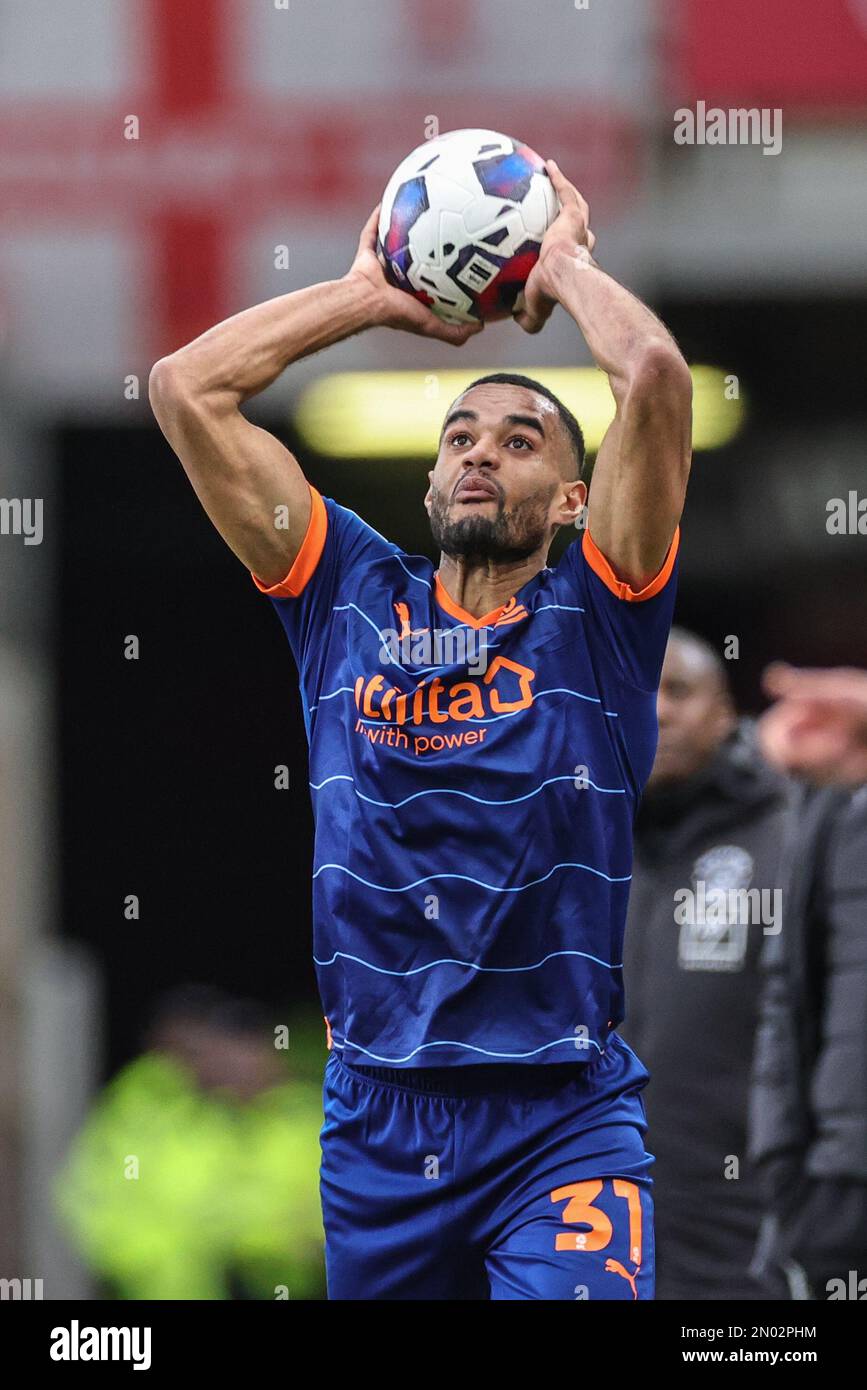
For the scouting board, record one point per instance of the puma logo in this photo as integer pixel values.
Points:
(615, 1267)
(406, 627)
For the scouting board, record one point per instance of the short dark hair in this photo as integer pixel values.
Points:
(573, 429)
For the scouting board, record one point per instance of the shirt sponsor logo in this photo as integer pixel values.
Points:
(505, 689)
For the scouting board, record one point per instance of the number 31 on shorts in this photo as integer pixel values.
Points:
(579, 1210)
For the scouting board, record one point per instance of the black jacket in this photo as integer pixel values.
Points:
(808, 1116)
(692, 996)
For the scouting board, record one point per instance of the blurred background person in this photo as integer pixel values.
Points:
(195, 1175)
(808, 1129)
(711, 819)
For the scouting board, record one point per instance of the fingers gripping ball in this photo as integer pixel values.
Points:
(461, 222)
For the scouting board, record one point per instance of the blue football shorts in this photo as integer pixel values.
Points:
(488, 1182)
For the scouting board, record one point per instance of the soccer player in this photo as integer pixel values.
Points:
(479, 737)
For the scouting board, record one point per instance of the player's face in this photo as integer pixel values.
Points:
(695, 714)
(502, 481)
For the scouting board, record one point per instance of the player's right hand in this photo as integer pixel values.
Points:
(394, 308)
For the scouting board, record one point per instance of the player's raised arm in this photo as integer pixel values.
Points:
(243, 476)
(641, 470)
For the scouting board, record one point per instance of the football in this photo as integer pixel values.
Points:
(461, 223)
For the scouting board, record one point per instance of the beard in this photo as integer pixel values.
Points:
(513, 533)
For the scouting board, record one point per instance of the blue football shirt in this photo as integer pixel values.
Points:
(474, 783)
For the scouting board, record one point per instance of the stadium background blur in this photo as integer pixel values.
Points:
(164, 164)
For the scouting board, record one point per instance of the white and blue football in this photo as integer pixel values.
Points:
(461, 223)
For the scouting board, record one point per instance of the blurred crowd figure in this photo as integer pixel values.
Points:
(753, 1023)
(712, 814)
(195, 1174)
(809, 1096)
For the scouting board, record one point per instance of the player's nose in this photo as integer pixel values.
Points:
(481, 455)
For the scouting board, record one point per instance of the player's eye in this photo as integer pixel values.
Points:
(521, 440)
(457, 436)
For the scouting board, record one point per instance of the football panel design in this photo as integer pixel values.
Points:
(509, 175)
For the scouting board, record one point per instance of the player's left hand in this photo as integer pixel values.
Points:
(570, 232)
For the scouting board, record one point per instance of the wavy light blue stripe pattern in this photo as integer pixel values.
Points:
(465, 878)
(455, 791)
(466, 964)
(469, 1047)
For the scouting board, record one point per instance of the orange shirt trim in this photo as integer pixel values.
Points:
(601, 566)
(445, 600)
(308, 556)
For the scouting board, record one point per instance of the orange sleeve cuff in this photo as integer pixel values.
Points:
(601, 567)
(308, 556)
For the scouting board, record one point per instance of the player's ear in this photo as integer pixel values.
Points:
(572, 501)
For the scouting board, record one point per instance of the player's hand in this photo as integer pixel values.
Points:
(393, 308)
(818, 726)
(569, 232)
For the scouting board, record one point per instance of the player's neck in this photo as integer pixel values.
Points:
(480, 587)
